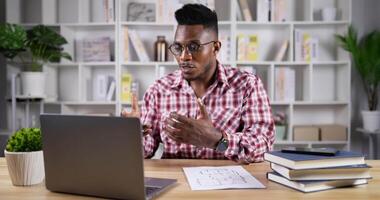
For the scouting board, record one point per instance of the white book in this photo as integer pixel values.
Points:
(263, 7)
(111, 91)
(125, 44)
(110, 11)
(138, 45)
(298, 34)
(99, 90)
(314, 46)
(281, 52)
(239, 14)
(245, 10)
(279, 8)
(285, 84)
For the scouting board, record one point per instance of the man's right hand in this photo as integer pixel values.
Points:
(147, 129)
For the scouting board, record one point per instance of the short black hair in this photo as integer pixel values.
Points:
(197, 14)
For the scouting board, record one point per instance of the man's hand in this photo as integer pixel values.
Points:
(147, 129)
(199, 132)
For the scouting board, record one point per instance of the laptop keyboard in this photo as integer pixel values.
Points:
(151, 190)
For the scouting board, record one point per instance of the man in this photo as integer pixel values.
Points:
(205, 110)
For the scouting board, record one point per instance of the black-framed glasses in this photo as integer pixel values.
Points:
(192, 47)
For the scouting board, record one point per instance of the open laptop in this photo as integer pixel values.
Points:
(97, 156)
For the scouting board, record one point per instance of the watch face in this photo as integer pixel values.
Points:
(222, 145)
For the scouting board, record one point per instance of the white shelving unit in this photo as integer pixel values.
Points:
(322, 87)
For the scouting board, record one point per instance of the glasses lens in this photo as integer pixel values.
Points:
(193, 47)
(176, 49)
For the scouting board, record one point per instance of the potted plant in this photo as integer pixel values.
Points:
(280, 122)
(32, 48)
(366, 56)
(24, 157)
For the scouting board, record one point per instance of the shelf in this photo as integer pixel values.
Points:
(137, 63)
(91, 24)
(78, 103)
(287, 142)
(126, 23)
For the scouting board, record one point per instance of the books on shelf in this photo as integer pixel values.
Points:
(138, 45)
(331, 173)
(244, 6)
(126, 85)
(282, 51)
(306, 46)
(314, 186)
(225, 50)
(102, 11)
(111, 91)
(247, 47)
(285, 84)
(125, 44)
(101, 87)
(303, 161)
(93, 49)
(271, 10)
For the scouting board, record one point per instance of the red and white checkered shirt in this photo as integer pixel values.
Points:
(236, 103)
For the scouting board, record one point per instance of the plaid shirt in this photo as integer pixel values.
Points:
(236, 103)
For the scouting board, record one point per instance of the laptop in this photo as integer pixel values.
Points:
(96, 156)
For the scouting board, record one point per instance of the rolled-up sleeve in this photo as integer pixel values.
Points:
(257, 136)
(149, 117)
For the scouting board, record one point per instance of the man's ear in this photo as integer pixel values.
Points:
(217, 46)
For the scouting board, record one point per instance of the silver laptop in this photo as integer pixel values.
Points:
(97, 156)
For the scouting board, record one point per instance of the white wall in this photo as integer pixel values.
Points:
(365, 19)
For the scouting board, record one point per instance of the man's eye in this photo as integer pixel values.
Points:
(193, 46)
(177, 47)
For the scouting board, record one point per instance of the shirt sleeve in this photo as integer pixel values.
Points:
(149, 117)
(257, 136)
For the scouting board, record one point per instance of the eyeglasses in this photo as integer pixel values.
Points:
(192, 47)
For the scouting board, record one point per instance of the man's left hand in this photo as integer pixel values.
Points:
(199, 132)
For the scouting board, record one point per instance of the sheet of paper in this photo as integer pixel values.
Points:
(225, 177)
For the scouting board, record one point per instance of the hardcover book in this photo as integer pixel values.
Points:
(331, 173)
(314, 186)
(304, 161)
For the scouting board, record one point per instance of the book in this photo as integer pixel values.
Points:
(239, 14)
(245, 10)
(111, 91)
(298, 45)
(126, 85)
(331, 173)
(303, 161)
(95, 49)
(281, 52)
(138, 45)
(241, 47)
(263, 10)
(278, 10)
(314, 186)
(252, 48)
(225, 50)
(99, 89)
(125, 44)
(285, 84)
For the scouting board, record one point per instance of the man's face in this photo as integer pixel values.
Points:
(195, 65)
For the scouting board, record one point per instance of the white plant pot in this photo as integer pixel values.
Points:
(25, 168)
(33, 84)
(371, 120)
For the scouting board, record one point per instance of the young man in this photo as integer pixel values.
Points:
(205, 110)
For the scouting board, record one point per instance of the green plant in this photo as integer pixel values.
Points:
(32, 47)
(25, 140)
(366, 56)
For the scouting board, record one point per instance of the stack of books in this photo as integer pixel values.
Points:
(311, 173)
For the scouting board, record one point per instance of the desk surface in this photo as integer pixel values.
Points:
(173, 169)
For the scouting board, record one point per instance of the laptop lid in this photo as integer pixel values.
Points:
(91, 155)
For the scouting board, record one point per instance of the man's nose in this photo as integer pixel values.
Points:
(185, 55)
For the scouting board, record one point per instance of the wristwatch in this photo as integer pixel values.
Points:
(222, 144)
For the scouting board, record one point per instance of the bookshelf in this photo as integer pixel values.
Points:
(322, 86)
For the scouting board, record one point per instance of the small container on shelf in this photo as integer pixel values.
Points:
(161, 49)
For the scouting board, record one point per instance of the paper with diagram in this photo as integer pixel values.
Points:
(225, 177)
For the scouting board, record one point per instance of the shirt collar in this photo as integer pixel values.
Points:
(221, 77)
